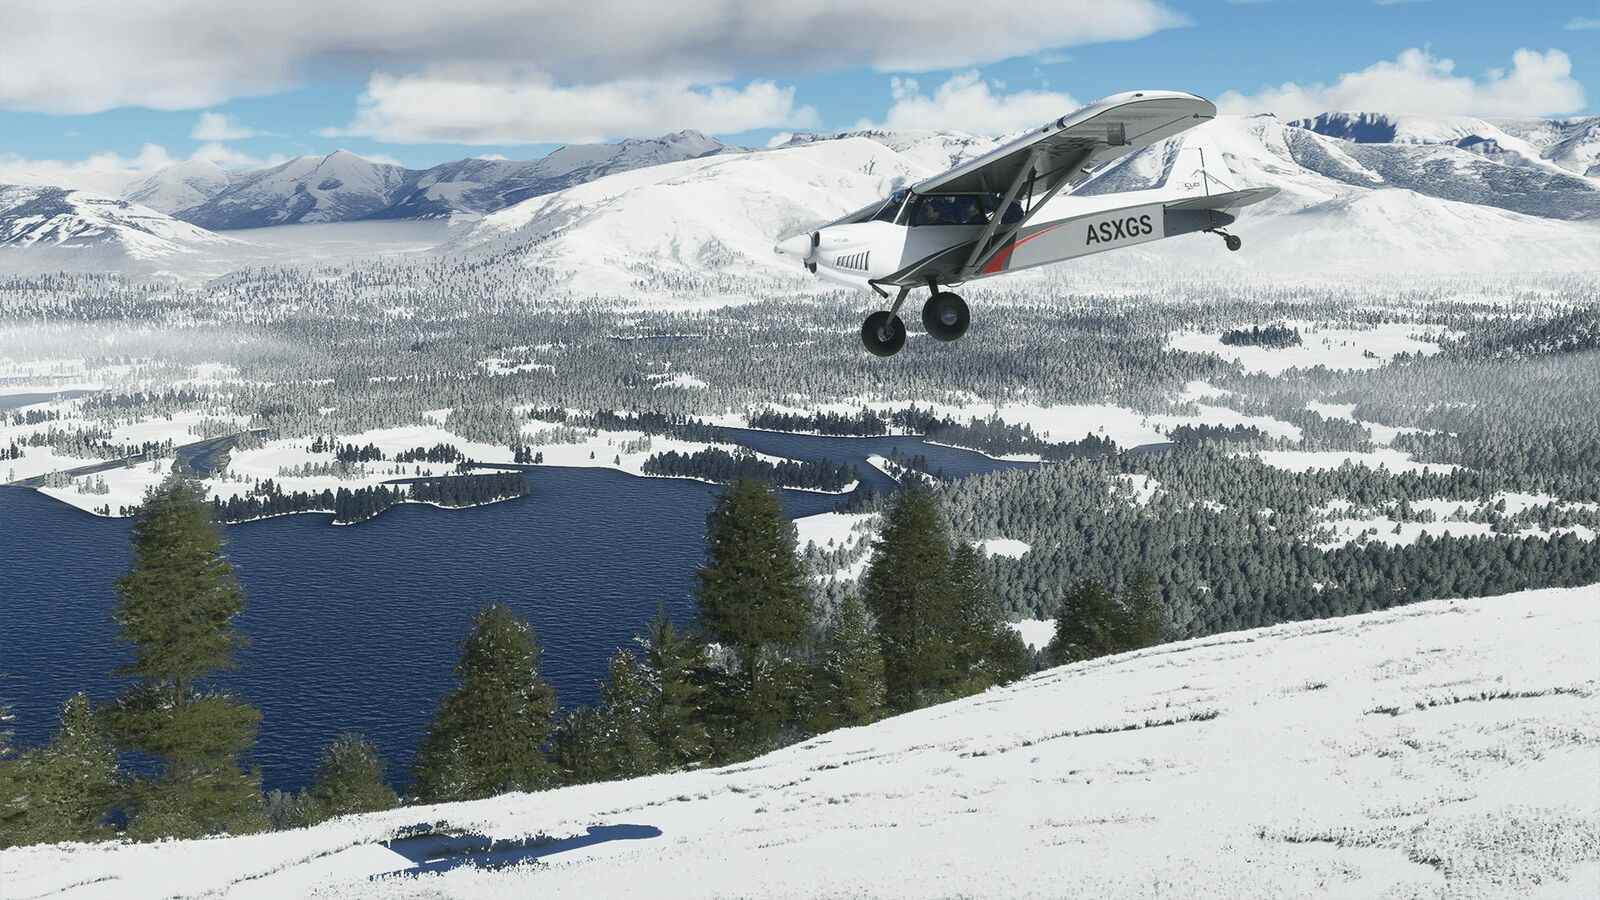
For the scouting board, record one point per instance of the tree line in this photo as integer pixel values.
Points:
(360, 504)
(765, 667)
(719, 465)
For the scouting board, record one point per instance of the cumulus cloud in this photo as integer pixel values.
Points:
(213, 126)
(1419, 82)
(191, 54)
(470, 106)
(111, 173)
(966, 102)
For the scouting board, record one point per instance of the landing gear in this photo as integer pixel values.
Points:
(945, 316)
(1230, 241)
(883, 334)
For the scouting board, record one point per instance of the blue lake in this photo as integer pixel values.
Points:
(357, 628)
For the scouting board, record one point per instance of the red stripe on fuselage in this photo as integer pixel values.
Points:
(1002, 257)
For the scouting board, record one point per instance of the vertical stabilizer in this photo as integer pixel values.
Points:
(1197, 171)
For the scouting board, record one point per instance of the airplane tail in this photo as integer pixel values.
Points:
(1199, 178)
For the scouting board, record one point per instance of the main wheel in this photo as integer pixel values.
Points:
(883, 334)
(945, 316)
(1232, 241)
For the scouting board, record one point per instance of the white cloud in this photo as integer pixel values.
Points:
(966, 102)
(82, 56)
(1419, 82)
(111, 173)
(106, 173)
(472, 106)
(213, 126)
(1583, 24)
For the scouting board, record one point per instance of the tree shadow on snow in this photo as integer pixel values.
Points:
(437, 852)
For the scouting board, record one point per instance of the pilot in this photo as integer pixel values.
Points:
(967, 211)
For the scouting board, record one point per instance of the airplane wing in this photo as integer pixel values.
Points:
(1063, 152)
(1230, 200)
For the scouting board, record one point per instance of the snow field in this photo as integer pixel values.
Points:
(1441, 749)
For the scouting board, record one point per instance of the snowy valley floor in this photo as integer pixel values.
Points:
(1449, 748)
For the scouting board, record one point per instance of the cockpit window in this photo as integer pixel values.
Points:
(891, 207)
(948, 209)
(960, 209)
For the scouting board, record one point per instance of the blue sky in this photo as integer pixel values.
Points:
(515, 79)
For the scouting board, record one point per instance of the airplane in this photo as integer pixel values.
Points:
(994, 214)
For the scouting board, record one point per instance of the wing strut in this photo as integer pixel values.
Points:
(981, 250)
(1024, 174)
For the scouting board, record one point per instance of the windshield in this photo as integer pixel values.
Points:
(891, 206)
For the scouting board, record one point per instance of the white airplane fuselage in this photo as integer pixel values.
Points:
(856, 253)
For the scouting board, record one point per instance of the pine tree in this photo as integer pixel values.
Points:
(349, 779)
(1090, 623)
(488, 734)
(627, 747)
(64, 790)
(676, 720)
(176, 606)
(977, 623)
(1142, 604)
(577, 747)
(907, 589)
(849, 682)
(753, 597)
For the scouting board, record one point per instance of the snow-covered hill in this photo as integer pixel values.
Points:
(338, 187)
(691, 218)
(43, 227)
(1462, 158)
(1340, 209)
(180, 186)
(1447, 748)
(344, 187)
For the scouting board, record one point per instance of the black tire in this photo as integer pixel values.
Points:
(883, 334)
(1233, 242)
(945, 316)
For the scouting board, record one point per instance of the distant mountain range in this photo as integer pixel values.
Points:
(61, 227)
(1361, 191)
(344, 187)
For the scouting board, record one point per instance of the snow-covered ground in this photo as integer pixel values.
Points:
(1443, 749)
(1036, 633)
(1001, 546)
(1335, 348)
(1306, 460)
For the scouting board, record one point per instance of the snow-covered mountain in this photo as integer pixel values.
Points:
(180, 186)
(344, 187)
(1538, 171)
(692, 218)
(1441, 749)
(1343, 207)
(48, 227)
(338, 187)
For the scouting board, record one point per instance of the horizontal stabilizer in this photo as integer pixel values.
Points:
(1229, 200)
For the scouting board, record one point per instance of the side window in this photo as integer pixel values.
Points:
(951, 209)
(1013, 212)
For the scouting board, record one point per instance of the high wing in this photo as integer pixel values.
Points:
(1062, 153)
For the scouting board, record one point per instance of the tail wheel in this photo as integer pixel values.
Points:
(945, 316)
(1232, 241)
(883, 334)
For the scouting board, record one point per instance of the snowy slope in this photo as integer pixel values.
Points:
(1456, 159)
(334, 188)
(1336, 212)
(180, 186)
(1442, 749)
(482, 186)
(706, 215)
(51, 226)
